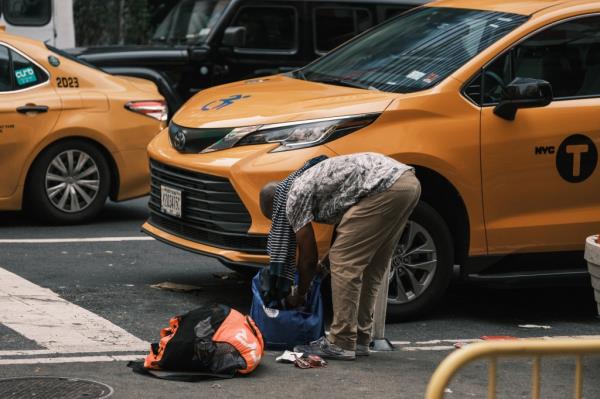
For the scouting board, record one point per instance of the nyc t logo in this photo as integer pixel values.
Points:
(223, 102)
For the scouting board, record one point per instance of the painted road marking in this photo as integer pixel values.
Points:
(56, 324)
(75, 359)
(67, 240)
(46, 352)
(437, 345)
(428, 348)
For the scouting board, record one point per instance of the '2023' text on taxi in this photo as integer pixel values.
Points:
(495, 103)
(70, 134)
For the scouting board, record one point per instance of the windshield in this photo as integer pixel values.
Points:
(413, 51)
(190, 22)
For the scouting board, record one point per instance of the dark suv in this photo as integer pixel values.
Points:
(204, 43)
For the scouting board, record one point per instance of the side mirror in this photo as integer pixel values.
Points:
(234, 36)
(523, 93)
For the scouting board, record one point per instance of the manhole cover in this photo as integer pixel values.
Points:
(52, 388)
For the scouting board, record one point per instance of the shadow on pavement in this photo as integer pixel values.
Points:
(538, 305)
(134, 210)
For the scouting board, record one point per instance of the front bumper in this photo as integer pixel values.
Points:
(221, 216)
(224, 255)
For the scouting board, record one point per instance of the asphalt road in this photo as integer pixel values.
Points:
(113, 280)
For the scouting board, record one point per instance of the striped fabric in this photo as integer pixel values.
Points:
(281, 243)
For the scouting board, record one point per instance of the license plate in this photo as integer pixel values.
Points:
(170, 201)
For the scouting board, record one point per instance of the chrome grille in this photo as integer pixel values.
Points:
(211, 211)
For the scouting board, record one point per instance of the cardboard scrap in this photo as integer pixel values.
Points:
(169, 286)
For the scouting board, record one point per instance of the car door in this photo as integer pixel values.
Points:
(540, 177)
(273, 34)
(29, 108)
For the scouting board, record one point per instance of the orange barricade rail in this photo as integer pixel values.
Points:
(530, 348)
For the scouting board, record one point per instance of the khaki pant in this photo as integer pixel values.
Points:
(360, 256)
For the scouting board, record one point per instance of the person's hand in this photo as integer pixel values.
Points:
(294, 301)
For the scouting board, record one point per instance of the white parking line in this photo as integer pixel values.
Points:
(67, 240)
(57, 325)
(75, 359)
(436, 345)
(48, 352)
(428, 348)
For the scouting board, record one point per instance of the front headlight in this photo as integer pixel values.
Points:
(294, 135)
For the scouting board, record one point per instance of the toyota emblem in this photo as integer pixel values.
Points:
(179, 141)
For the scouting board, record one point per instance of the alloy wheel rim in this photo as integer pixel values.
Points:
(72, 181)
(414, 265)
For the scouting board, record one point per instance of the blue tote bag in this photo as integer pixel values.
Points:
(281, 328)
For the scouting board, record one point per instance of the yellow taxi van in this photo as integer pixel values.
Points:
(70, 134)
(495, 103)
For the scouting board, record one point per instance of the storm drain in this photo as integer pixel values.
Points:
(52, 388)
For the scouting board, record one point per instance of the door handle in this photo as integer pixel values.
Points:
(24, 109)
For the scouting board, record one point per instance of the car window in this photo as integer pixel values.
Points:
(495, 77)
(27, 12)
(190, 22)
(25, 72)
(567, 55)
(414, 51)
(5, 79)
(334, 26)
(268, 28)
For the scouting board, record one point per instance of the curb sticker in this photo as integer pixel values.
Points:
(223, 102)
(25, 76)
(576, 158)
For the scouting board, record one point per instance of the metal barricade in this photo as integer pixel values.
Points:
(530, 348)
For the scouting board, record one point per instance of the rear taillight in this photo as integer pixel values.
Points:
(154, 109)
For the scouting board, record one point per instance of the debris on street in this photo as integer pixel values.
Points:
(169, 286)
(534, 326)
(288, 357)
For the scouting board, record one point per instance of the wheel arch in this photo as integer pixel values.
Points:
(112, 164)
(441, 195)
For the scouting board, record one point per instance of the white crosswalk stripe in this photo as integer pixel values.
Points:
(57, 325)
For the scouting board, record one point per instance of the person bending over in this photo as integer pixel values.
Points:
(369, 198)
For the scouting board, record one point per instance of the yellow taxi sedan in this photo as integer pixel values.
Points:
(70, 135)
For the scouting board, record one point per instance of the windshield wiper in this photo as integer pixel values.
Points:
(344, 82)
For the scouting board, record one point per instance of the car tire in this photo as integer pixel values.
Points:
(62, 193)
(428, 231)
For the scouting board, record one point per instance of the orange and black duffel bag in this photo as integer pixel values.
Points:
(214, 341)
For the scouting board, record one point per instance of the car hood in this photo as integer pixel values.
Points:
(276, 99)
